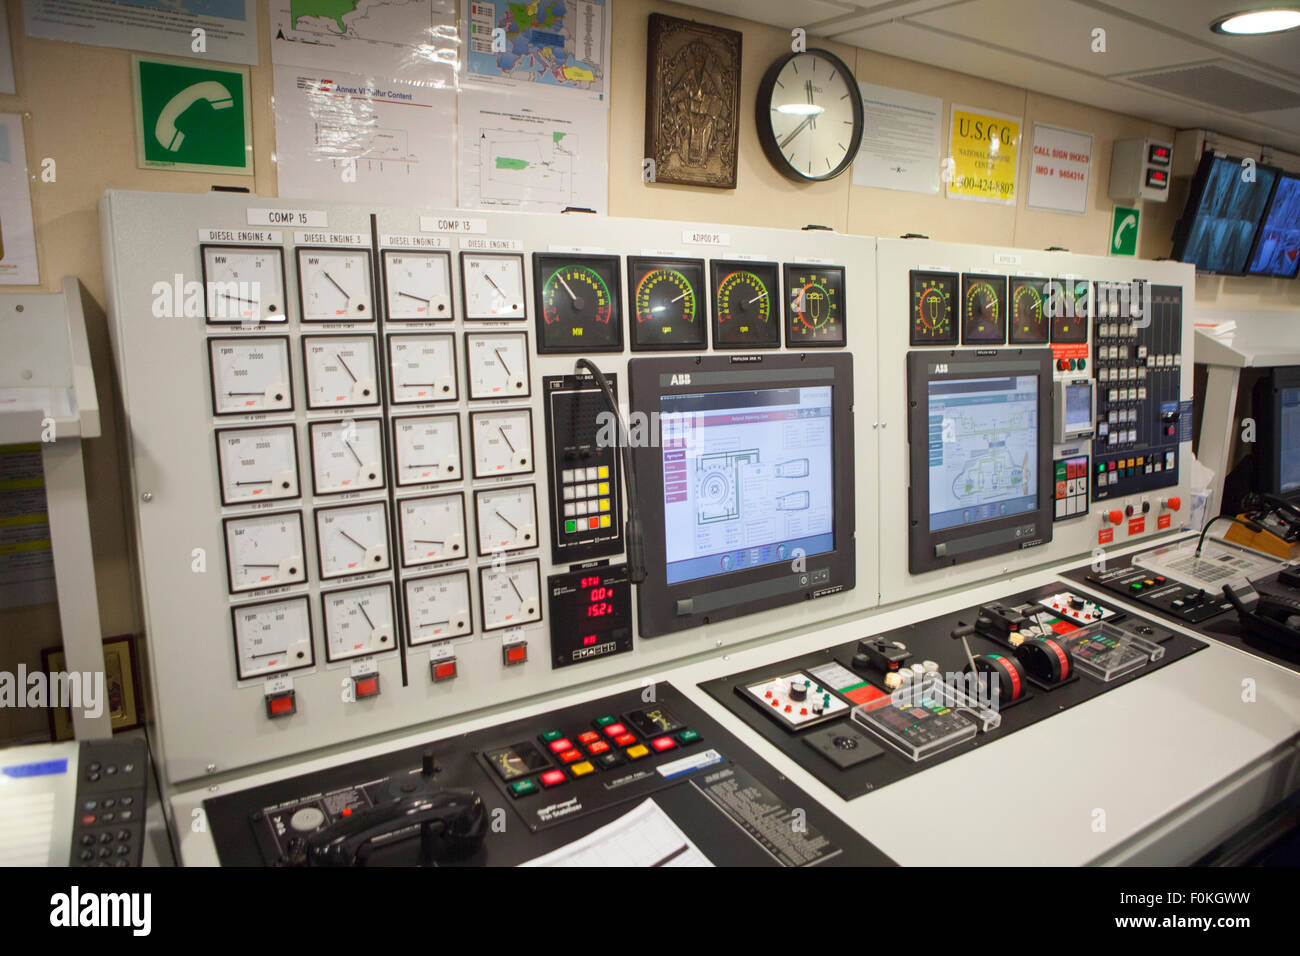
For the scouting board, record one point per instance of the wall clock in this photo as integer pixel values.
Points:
(809, 116)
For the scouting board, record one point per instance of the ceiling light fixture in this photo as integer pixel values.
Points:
(1257, 22)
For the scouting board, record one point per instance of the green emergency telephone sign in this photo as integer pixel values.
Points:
(192, 117)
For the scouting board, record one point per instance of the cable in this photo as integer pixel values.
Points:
(1244, 522)
(632, 530)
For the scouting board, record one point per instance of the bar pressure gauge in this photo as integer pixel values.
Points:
(506, 518)
(352, 539)
(272, 637)
(432, 529)
(334, 285)
(264, 550)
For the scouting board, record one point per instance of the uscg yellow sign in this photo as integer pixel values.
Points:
(984, 151)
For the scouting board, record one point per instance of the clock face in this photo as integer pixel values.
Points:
(809, 115)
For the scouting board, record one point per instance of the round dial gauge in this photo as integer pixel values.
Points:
(272, 637)
(352, 539)
(509, 595)
(433, 529)
(358, 621)
(1070, 310)
(933, 321)
(507, 519)
(814, 306)
(503, 442)
(347, 455)
(809, 115)
(668, 302)
(423, 367)
(264, 550)
(1028, 314)
(340, 370)
(497, 364)
(437, 608)
(983, 315)
(744, 305)
(493, 285)
(243, 284)
(578, 303)
(334, 285)
(250, 375)
(418, 285)
(257, 464)
(428, 449)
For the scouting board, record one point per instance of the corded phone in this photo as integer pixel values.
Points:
(1278, 521)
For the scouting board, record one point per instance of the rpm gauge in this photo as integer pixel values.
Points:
(668, 303)
(933, 318)
(1070, 312)
(814, 306)
(744, 305)
(1028, 314)
(578, 304)
(983, 309)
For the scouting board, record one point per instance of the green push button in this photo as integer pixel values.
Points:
(551, 735)
(570, 526)
(522, 788)
(604, 721)
(687, 737)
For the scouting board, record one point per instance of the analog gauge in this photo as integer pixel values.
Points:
(341, 370)
(579, 306)
(433, 528)
(437, 608)
(352, 539)
(250, 375)
(983, 311)
(243, 284)
(814, 306)
(422, 367)
(668, 302)
(347, 455)
(1028, 311)
(418, 285)
(493, 285)
(428, 449)
(933, 319)
(334, 285)
(497, 364)
(264, 551)
(503, 442)
(272, 637)
(508, 595)
(506, 518)
(1070, 311)
(810, 117)
(257, 464)
(358, 621)
(744, 305)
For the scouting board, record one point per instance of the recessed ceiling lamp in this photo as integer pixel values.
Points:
(1256, 22)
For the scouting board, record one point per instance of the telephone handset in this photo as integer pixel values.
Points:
(1274, 621)
(165, 131)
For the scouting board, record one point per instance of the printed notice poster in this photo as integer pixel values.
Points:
(900, 141)
(17, 233)
(984, 151)
(26, 558)
(1060, 169)
(154, 26)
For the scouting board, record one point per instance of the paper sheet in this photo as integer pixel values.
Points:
(900, 144)
(645, 836)
(17, 234)
(26, 552)
(546, 49)
(151, 26)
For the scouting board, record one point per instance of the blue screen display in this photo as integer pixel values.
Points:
(1227, 215)
(1277, 249)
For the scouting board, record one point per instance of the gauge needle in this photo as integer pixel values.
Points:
(566, 287)
(336, 285)
(761, 295)
(434, 623)
(660, 308)
(266, 482)
(506, 437)
(502, 361)
(237, 298)
(362, 608)
(415, 297)
(354, 452)
(494, 285)
(513, 526)
(268, 654)
(259, 565)
(353, 540)
(515, 589)
(427, 540)
(345, 366)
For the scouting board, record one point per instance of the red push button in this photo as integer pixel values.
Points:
(1173, 504)
(1115, 516)
(625, 740)
(598, 747)
(366, 686)
(588, 737)
(615, 730)
(552, 778)
(281, 705)
(561, 745)
(443, 670)
(663, 743)
(516, 653)
(570, 756)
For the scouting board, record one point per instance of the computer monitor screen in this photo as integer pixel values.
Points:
(748, 479)
(1277, 246)
(983, 448)
(1223, 213)
(1289, 441)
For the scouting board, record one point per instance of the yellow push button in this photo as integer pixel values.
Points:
(637, 752)
(604, 487)
(581, 769)
(602, 471)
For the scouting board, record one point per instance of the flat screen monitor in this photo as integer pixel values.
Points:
(980, 440)
(746, 492)
(1223, 213)
(1277, 243)
(1277, 432)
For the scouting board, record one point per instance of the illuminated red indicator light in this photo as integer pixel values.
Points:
(561, 745)
(624, 740)
(615, 730)
(588, 737)
(569, 756)
(663, 743)
(599, 747)
(552, 778)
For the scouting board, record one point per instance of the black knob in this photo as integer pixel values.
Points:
(427, 766)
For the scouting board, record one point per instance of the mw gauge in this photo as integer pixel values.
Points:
(579, 303)
(334, 285)
(493, 285)
(243, 284)
(418, 285)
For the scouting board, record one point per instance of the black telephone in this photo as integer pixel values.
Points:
(1278, 516)
(1273, 621)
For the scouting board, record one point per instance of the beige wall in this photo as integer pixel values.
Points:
(77, 103)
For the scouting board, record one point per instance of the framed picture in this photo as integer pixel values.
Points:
(692, 120)
(121, 686)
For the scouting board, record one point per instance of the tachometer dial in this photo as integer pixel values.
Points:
(744, 305)
(983, 311)
(668, 303)
(1028, 312)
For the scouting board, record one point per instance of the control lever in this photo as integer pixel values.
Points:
(1274, 619)
(451, 824)
(961, 632)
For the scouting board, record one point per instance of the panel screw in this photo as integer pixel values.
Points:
(212, 768)
(146, 497)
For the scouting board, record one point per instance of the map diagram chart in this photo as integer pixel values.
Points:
(559, 43)
(402, 39)
(515, 165)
